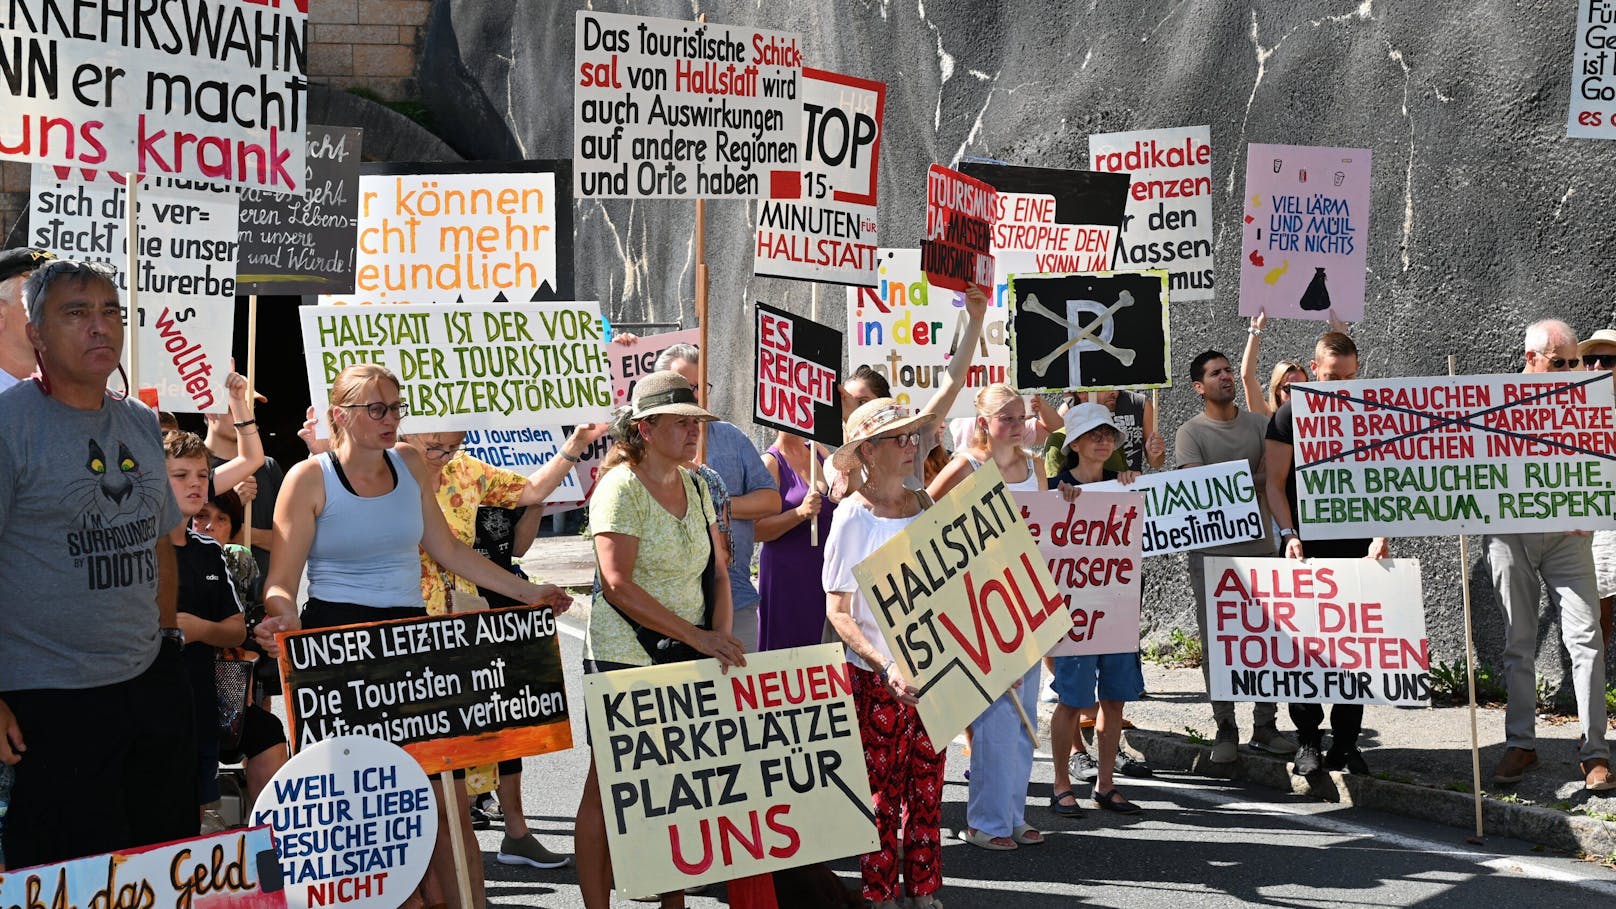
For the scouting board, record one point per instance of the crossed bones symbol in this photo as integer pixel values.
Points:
(1084, 332)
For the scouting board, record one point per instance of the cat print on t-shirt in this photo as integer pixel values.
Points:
(115, 503)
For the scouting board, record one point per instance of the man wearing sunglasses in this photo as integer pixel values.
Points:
(1564, 561)
(1599, 352)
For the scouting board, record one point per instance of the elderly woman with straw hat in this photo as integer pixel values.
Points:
(906, 775)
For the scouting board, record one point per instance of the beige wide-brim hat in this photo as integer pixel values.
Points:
(874, 418)
(1602, 336)
(666, 392)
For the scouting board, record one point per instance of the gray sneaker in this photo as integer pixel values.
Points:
(1084, 767)
(1226, 747)
(528, 851)
(1268, 738)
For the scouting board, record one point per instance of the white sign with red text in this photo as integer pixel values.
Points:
(1094, 553)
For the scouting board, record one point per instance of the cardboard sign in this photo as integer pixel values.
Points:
(1306, 235)
(187, 281)
(304, 244)
(1446, 455)
(965, 601)
(1092, 547)
(630, 363)
(236, 868)
(907, 329)
(438, 233)
(486, 366)
(1592, 114)
(707, 776)
(523, 451)
(455, 691)
(1169, 219)
(1051, 220)
(1089, 332)
(799, 366)
(204, 91)
(1196, 507)
(957, 250)
(355, 821)
(1323, 631)
(823, 225)
(671, 109)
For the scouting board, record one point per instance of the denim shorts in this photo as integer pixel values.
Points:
(1110, 676)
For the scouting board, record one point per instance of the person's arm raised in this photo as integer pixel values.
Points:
(249, 447)
(548, 479)
(959, 367)
(1255, 402)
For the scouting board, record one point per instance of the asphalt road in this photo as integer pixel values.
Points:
(1200, 843)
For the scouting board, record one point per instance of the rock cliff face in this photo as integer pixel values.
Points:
(1484, 217)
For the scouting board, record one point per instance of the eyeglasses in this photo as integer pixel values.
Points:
(378, 410)
(1600, 361)
(442, 454)
(907, 440)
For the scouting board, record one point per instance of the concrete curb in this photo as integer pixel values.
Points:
(1555, 829)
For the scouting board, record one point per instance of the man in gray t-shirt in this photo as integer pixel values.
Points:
(95, 706)
(1223, 432)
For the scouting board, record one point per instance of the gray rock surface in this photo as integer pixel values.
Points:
(1485, 216)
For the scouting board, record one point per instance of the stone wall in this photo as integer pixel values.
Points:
(366, 44)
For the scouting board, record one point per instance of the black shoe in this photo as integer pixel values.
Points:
(479, 819)
(1132, 766)
(1350, 760)
(1306, 762)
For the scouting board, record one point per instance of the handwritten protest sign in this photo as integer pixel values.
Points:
(1169, 219)
(1197, 507)
(799, 365)
(187, 278)
(1089, 331)
(454, 691)
(205, 91)
(439, 233)
(630, 363)
(1306, 236)
(355, 821)
(1324, 631)
(1092, 548)
(823, 225)
(1050, 220)
(957, 249)
(707, 776)
(1592, 113)
(485, 366)
(965, 601)
(304, 244)
(236, 868)
(524, 451)
(907, 329)
(672, 109)
(1446, 455)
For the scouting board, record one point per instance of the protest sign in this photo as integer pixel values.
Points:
(1306, 233)
(907, 329)
(1445, 455)
(711, 776)
(671, 109)
(1169, 220)
(630, 363)
(957, 249)
(204, 91)
(965, 601)
(1092, 548)
(524, 451)
(304, 244)
(484, 366)
(442, 233)
(1324, 631)
(187, 281)
(455, 691)
(1196, 507)
(799, 365)
(236, 869)
(355, 821)
(1593, 73)
(1089, 331)
(1050, 220)
(821, 224)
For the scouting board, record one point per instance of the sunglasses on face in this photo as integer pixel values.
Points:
(379, 411)
(1599, 361)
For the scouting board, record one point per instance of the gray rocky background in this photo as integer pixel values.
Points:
(1485, 216)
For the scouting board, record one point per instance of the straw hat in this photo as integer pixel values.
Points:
(666, 392)
(1602, 336)
(1084, 417)
(874, 418)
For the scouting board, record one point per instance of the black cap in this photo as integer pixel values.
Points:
(21, 261)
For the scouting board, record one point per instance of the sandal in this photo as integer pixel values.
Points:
(1072, 810)
(1113, 801)
(1028, 835)
(981, 840)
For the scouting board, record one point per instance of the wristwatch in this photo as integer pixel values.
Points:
(1288, 532)
(172, 634)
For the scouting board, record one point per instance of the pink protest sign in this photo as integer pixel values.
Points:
(633, 362)
(1305, 232)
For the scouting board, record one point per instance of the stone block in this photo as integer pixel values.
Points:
(359, 34)
(394, 12)
(331, 60)
(383, 61)
(339, 11)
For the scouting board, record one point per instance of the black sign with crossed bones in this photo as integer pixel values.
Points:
(1089, 331)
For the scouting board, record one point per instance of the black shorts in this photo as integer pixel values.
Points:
(260, 731)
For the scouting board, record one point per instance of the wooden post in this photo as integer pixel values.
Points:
(131, 197)
(813, 459)
(1470, 668)
(454, 811)
(252, 399)
(1026, 721)
(701, 321)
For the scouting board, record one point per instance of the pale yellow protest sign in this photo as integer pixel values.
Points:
(707, 776)
(965, 601)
